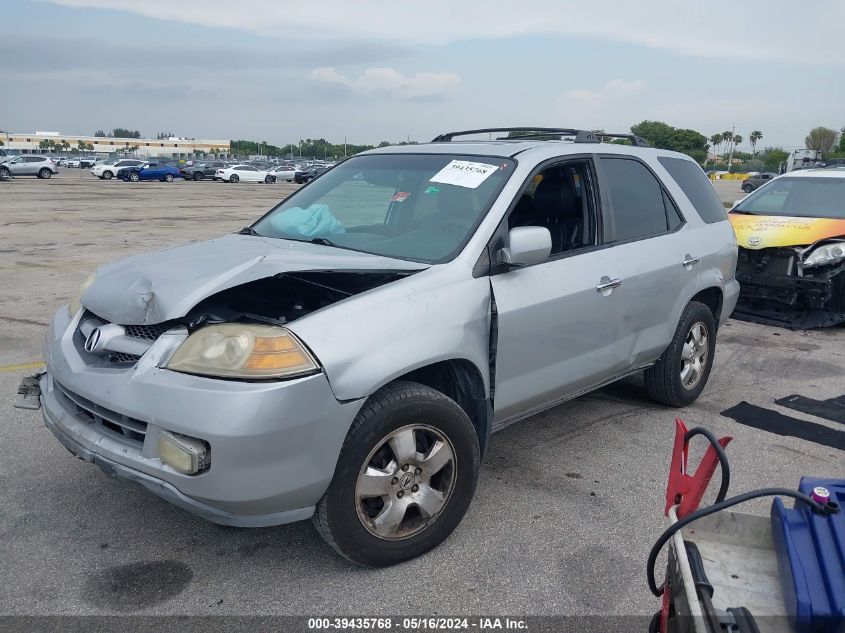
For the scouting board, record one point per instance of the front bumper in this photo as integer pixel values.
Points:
(776, 296)
(273, 445)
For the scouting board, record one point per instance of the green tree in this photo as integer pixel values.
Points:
(755, 136)
(46, 144)
(121, 132)
(716, 141)
(65, 146)
(772, 158)
(2, 143)
(821, 139)
(100, 134)
(664, 136)
(842, 140)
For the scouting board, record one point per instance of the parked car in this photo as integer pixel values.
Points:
(201, 171)
(40, 166)
(72, 162)
(87, 163)
(791, 235)
(107, 171)
(758, 180)
(283, 172)
(309, 173)
(247, 173)
(347, 362)
(149, 171)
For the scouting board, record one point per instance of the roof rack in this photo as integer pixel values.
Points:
(580, 136)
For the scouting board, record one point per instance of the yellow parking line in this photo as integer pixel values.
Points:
(22, 366)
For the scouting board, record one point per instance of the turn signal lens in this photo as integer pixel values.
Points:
(235, 350)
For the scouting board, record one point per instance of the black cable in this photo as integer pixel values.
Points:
(720, 453)
(718, 507)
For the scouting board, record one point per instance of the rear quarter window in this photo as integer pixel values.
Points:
(697, 187)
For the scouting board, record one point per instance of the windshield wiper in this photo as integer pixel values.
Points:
(248, 230)
(743, 212)
(323, 241)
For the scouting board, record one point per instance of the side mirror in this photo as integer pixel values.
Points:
(527, 245)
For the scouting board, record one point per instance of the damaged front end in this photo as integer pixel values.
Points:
(794, 287)
(276, 300)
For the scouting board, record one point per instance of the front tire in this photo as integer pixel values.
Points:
(405, 477)
(269, 180)
(45, 173)
(233, 178)
(748, 188)
(168, 177)
(5, 173)
(134, 177)
(107, 175)
(197, 176)
(680, 374)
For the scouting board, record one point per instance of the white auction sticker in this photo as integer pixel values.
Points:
(464, 173)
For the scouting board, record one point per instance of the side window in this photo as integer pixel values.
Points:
(637, 198)
(674, 218)
(560, 199)
(33, 159)
(697, 187)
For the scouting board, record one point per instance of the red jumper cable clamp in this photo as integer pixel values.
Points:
(686, 490)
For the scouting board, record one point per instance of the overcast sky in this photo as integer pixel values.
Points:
(391, 70)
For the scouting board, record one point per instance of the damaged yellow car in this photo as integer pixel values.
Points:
(791, 237)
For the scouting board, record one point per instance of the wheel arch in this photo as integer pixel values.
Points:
(713, 298)
(462, 381)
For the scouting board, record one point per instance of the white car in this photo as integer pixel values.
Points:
(283, 173)
(247, 173)
(107, 171)
(72, 162)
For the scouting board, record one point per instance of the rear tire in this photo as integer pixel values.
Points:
(5, 173)
(45, 173)
(134, 177)
(269, 180)
(748, 188)
(168, 177)
(234, 178)
(405, 477)
(197, 176)
(680, 374)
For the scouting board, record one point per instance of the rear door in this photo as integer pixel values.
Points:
(656, 256)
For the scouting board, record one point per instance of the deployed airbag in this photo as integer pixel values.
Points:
(314, 221)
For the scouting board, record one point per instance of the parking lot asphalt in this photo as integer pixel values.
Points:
(568, 502)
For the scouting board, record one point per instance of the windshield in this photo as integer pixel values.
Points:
(422, 207)
(821, 197)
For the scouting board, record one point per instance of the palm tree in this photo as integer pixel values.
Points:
(716, 141)
(755, 136)
(728, 137)
(737, 139)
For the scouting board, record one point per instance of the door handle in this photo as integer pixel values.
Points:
(689, 260)
(607, 283)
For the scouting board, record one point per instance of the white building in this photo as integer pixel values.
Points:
(174, 147)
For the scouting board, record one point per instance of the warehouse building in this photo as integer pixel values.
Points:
(174, 147)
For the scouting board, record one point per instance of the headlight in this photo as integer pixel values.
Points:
(825, 254)
(235, 350)
(75, 304)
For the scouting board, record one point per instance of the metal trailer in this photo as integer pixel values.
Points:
(722, 575)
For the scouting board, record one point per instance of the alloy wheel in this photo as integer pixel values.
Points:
(405, 482)
(694, 355)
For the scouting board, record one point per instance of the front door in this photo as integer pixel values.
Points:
(559, 321)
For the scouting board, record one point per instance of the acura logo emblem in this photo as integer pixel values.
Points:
(93, 340)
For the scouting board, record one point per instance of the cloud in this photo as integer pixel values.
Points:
(387, 81)
(722, 29)
(607, 107)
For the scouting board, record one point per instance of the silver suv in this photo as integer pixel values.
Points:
(347, 356)
(41, 166)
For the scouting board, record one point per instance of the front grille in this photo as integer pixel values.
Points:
(775, 261)
(112, 423)
(149, 332)
(120, 357)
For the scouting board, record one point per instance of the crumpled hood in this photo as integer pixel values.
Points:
(765, 231)
(163, 285)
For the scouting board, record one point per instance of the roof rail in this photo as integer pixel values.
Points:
(580, 136)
